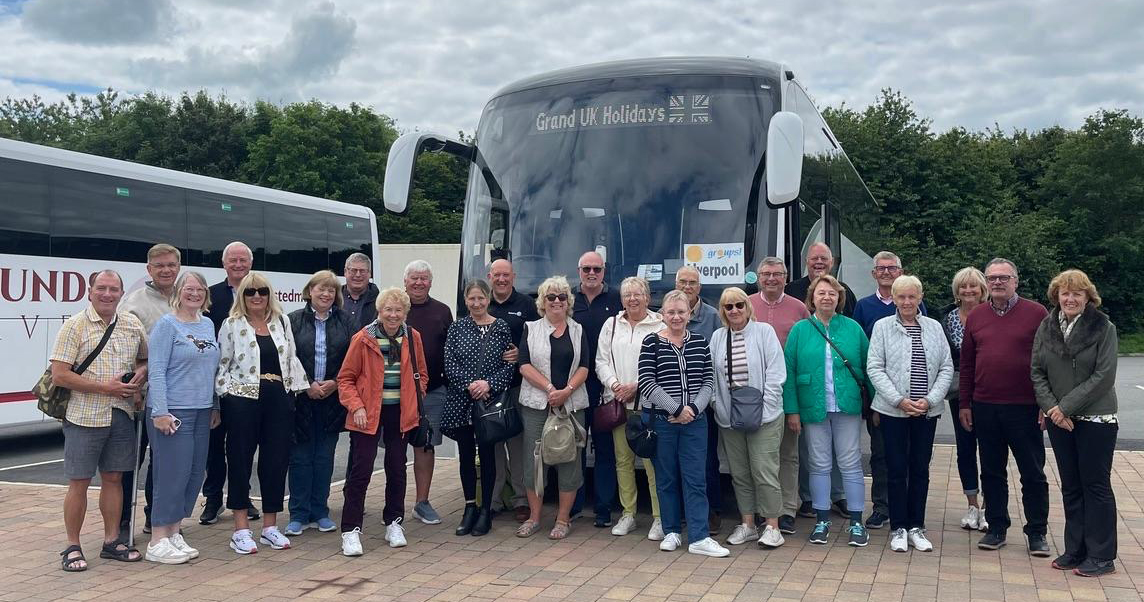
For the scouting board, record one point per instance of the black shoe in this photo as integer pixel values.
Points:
(484, 523)
(1038, 546)
(840, 508)
(147, 525)
(786, 524)
(1067, 562)
(713, 524)
(468, 519)
(602, 522)
(210, 513)
(125, 530)
(252, 513)
(991, 541)
(877, 520)
(806, 510)
(1095, 568)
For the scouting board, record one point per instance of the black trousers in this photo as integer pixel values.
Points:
(909, 448)
(129, 492)
(1084, 462)
(265, 425)
(468, 450)
(216, 464)
(1002, 428)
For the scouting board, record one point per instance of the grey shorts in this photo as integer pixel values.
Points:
(434, 404)
(103, 448)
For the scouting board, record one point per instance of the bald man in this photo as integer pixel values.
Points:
(819, 261)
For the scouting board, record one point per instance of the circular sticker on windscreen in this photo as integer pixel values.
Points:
(750, 278)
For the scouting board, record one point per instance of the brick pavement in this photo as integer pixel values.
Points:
(590, 565)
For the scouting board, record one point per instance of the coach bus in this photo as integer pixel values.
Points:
(656, 164)
(66, 215)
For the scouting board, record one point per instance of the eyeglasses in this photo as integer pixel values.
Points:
(682, 283)
(357, 271)
(735, 305)
(174, 265)
(888, 269)
(769, 275)
(562, 297)
(1000, 278)
(262, 290)
(595, 269)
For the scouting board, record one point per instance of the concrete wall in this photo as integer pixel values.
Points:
(445, 259)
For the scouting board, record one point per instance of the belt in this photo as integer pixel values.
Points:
(269, 376)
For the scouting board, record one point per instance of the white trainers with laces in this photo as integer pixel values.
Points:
(395, 534)
(180, 543)
(708, 547)
(242, 542)
(351, 542)
(982, 524)
(971, 518)
(898, 540)
(655, 533)
(670, 542)
(919, 541)
(771, 538)
(742, 534)
(274, 538)
(165, 552)
(625, 525)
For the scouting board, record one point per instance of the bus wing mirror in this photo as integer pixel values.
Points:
(784, 158)
(403, 159)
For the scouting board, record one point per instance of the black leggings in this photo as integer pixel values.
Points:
(468, 449)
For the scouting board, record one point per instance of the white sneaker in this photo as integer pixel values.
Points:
(919, 541)
(625, 525)
(982, 524)
(274, 538)
(670, 542)
(165, 552)
(971, 518)
(351, 542)
(655, 533)
(242, 542)
(395, 534)
(898, 541)
(180, 543)
(772, 537)
(708, 547)
(742, 534)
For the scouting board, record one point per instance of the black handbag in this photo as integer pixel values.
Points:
(422, 436)
(863, 390)
(497, 418)
(747, 403)
(641, 438)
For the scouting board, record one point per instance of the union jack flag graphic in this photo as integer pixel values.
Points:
(689, 108)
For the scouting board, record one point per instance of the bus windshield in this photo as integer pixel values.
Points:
(652, 172)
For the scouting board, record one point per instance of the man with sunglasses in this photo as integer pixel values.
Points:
(237, 260)
(868, 310)
(594, 303)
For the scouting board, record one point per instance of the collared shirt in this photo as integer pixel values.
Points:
(77, 338)
(781, 315)
(1012, 301)
(885, 300)
(354, 306)
(147, 303)
(704, 319)
(320, 345)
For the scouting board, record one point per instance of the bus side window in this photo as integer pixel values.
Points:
(214, 221)
(347, 235)
(24, 202)
(296, 241)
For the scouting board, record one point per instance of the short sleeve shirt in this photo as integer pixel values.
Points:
(78, 337)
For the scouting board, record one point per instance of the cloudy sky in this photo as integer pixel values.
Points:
(432, 64)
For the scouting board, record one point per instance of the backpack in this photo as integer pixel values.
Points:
(560, 442)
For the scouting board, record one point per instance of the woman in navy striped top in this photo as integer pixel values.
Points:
(676, 382)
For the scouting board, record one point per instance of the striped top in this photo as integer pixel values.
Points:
(391, 386)
(919, 378)
(736, 367)
(671, 377)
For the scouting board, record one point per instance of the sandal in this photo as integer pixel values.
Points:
(112, 551)
(560, 530)
(528, 528)
(68, 562)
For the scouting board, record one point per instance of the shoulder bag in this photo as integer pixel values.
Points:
(746, 402)
(497, 418)
(612, 414)
(863, 390)
(52, 399)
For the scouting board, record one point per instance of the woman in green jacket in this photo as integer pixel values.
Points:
(1074, 375)
(822, 395)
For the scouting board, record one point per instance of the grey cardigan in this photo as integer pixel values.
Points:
(766, 370)
(1078, 375)
(888, 365)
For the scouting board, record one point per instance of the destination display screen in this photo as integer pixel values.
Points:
(674, 109)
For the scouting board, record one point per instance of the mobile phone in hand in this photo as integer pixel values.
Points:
(126, 378)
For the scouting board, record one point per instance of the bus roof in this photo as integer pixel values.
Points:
(46, 155)
(695, 65)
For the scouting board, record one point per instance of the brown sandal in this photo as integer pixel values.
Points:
(560, 530)
(527, 529)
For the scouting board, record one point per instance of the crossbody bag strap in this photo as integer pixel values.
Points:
(845, 362)
(416, 372)
(86, 363)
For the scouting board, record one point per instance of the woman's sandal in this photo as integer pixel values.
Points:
(70, 563)
(528, 528)
(112, 551)
(560, 530)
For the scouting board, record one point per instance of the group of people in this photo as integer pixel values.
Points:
(778, 383)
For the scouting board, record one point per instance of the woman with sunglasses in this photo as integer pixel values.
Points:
(553, 357)
(752, 450)
(258, 375)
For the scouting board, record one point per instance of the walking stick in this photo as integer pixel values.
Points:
(135, 476)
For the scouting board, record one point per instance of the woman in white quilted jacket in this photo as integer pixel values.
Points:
(910, 367)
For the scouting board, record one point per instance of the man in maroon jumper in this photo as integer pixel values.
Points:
(997, 399)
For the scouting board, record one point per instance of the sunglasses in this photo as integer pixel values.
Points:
(562, 297)
(735, 305)
(595, 269)
(262, 290)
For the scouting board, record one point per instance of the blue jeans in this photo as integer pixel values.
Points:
(838, 437)
(681, 464)
(180, 461)
(311, 467)
(603, 471)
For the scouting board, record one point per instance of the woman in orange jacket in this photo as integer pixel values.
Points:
(378, 386)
